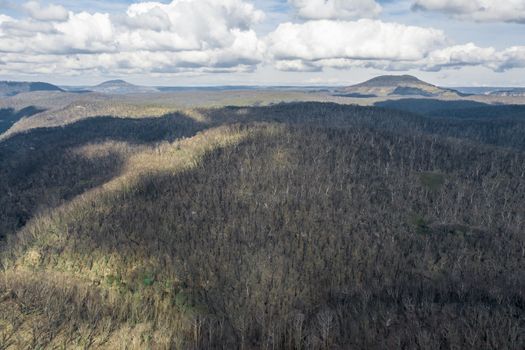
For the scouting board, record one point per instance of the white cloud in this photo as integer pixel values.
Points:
(204, 36)
(4, 18)
(358, 40)
(472, 55)
(336, 9)
(48, 13)
(477, 10)
(316, 45)
(82, 32)
(460, 55)
(182, 35)
(513, 57)
(297, 65)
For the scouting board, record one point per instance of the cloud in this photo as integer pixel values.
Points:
(48, 13)
(513, 57)
(212, 36)
(187, 24)
(336, 9)
(460, 55)
(472, 55)
(183, 35)
(4, 18)
(477, 10)
(81, 33)
(297, 65)
(317, 45)
(364, 40)
(22, 29)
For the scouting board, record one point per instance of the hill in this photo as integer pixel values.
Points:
(229, 228)
(67, 107)
(120, 87)
(397, 85)
(12, 88)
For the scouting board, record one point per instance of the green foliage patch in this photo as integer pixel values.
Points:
(431, 180)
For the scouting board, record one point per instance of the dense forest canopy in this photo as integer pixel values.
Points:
(293, 226)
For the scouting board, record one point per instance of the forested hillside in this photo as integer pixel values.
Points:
(293, 226)
(11, 88)
(8, 116)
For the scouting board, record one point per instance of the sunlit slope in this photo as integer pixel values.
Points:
(58, 109)
(89, 306)
(278, 230)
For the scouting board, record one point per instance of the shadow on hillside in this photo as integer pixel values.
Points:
(8, 116)
(39, 169)
(427, 106)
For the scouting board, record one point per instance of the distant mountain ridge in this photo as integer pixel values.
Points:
(119, 86)
(391, 80)
(512, 92)
(12, 88)
(397, 85)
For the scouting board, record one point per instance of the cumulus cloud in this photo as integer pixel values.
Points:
(81, 33)
(297, 65)
(324, 39)
(205, 36)
(472, 55)
(188, 24)
(4, 18)
(47, 13)
(335, 9)
(179, 36)
(316, 45)
(477, 10)
(513, 57)
(460, 55)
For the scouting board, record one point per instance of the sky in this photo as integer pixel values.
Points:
(263, 42)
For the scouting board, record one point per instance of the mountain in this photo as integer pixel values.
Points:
(512, 92)
(397, 85)
(11, 88)
(121, 87)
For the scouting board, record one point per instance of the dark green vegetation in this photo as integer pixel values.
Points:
(295, 226)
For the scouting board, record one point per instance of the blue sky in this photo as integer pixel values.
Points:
(263, 42)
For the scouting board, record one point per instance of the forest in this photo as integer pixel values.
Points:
(292, 226)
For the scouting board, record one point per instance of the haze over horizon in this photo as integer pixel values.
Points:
(271, 42)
